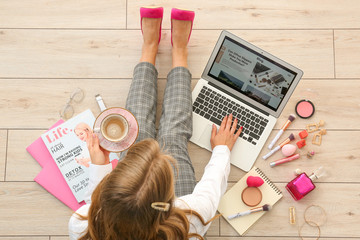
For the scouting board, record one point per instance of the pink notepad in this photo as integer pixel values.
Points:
(50, 176)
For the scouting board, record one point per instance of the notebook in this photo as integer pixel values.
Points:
(231, 202)
(50, 176)
(248, 82)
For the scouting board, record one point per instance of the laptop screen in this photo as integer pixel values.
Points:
(251, 73)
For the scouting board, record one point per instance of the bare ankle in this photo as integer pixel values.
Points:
(149, 52)
(179, 56)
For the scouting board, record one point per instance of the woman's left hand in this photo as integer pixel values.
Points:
(98, 155)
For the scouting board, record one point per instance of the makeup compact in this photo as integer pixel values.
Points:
(251, 196)
(305, 108)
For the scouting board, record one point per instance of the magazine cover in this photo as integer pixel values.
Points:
(67, 146)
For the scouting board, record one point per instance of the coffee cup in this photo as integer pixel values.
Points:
(114, 127)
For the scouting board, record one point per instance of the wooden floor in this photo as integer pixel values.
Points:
(48, 48)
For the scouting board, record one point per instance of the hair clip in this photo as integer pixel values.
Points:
(161, 206)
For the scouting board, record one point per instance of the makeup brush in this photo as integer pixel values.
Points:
(283, 128)
(265, 208)
(277, 148)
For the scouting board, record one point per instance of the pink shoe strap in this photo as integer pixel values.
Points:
(185, 15)
(151, 12)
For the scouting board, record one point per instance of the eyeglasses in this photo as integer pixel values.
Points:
(68, 110)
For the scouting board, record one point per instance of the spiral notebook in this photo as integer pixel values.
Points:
(231, 202)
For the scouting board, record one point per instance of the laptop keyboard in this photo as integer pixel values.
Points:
(214, 106)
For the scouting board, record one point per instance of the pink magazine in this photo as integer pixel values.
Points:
(37, 148)
(50, 176)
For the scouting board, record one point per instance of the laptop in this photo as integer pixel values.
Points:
(248, 82)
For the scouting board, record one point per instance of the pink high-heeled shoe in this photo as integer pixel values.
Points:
(184, 15)
(152, 12)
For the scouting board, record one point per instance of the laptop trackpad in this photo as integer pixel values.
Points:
(205, 137)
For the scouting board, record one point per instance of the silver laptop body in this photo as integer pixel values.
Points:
(248, 82)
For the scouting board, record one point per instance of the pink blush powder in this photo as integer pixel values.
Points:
(305, 109)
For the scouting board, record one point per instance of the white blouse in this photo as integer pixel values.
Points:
(204, 199)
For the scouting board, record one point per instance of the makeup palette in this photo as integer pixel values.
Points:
(251, 196)
(305, 108)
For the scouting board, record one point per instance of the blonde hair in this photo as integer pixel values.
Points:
(121, 203)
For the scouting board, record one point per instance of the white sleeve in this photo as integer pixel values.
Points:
(96, 174)
(76, 225)
(208, 191)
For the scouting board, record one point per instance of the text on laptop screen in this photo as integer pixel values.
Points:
(251, 73)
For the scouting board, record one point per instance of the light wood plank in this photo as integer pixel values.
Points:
(3, 148)
(347, 50)
(32, 201)
(338, 155)
(25, 238)
(113, 54)
(62, 14)
(82, 53)
(59, 238)
(28, 209)
(20, 165)
(38, 102)
(278, 14)
(336, 102)
(342, 213)
(214, 229)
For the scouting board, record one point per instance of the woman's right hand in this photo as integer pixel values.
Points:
(98, 155)
(226, 134)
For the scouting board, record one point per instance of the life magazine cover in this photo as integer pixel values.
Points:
(67, 145)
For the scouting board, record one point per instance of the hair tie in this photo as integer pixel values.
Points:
(161, 206)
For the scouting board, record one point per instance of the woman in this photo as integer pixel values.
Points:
(137, 200)
(83, 131)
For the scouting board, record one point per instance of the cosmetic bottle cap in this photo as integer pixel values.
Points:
(318, 173)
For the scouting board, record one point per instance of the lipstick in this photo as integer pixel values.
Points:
(284, 160)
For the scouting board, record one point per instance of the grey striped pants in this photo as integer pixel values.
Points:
(175, 126)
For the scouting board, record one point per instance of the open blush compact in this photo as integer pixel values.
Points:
(251, 196)
(304, 108)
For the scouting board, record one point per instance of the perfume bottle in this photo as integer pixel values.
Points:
(300, 186)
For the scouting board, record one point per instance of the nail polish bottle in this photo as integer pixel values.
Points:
(300, 186)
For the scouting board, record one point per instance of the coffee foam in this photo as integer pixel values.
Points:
(114, 128)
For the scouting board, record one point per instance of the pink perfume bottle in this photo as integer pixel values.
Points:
(303, 184)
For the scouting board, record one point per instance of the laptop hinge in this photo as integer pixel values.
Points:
(236, 97)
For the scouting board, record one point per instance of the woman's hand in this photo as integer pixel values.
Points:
(226, 134)
(98, 155)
